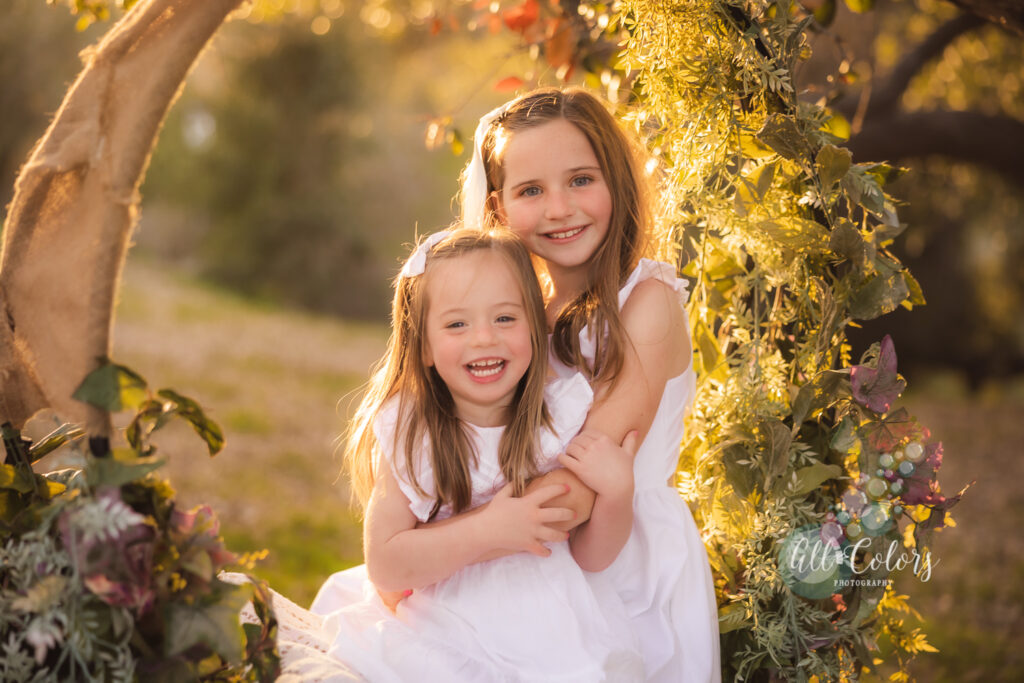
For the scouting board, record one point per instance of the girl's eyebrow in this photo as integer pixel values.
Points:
(575, 169)
(499, 304)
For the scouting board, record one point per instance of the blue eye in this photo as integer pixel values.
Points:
(455, 325)
(581, 180)
(506, 319)
(531, 191)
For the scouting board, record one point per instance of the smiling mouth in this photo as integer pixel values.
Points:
(486, 368)
(566, 234)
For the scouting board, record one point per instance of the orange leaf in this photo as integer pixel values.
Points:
(522, 17)
(559, 49)
(509, 84)
(435, 26)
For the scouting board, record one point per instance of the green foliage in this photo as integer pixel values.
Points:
(103, 577)
(788, 242)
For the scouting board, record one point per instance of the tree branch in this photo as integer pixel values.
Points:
(887, 97)
(986, 140)
(76, 202)
(1006, 13)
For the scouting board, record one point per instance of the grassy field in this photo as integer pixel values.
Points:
(280, 383)
(277, 380)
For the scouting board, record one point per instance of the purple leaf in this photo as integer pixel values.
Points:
(877, 388)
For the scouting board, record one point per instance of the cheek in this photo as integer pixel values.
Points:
(518, 217)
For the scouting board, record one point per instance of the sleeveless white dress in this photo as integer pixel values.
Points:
(662, 573)
(517, 618)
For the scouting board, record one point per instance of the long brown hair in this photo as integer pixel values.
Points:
(628, 228)
(425, 405)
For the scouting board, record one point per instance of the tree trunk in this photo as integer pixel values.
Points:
(76, 202)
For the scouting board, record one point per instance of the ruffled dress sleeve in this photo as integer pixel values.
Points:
(385, 427)
(568, 400)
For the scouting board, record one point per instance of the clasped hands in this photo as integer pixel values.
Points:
(554, 503)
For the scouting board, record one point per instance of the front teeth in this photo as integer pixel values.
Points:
(563, 235)
(486, 368)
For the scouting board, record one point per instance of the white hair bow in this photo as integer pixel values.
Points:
(417, 261)
(474, 185)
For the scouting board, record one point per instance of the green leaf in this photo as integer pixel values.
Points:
(11, 505)
(846, 439)
(817, 394)
(777, 440)
(112, 387)
(137, 432)
(884, 173)
(832, 164)
(16, 479)
(206, 428)
(731, 617)
(836, 126)
(753, 186)
(707, 346)
(781, 133)
(796, 233)
(846, 241)
(61, 435)
(916, 297)
(215, 625)
(864, 190)
(860, 6)
(739, 474)
(813, 476)
(878, 296)
(122, 467)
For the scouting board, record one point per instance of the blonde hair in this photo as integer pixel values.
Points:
(425, 405)
(628, 228)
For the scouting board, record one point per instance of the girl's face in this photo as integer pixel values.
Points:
(555, 197)
(477, 334)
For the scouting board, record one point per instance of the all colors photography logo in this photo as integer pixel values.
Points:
(856, 545)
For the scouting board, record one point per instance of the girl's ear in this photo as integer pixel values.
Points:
(494, 205)
(428, 357)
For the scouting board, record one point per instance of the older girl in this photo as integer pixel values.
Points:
(557, 170)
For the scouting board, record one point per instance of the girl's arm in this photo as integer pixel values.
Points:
(578, 499)
(399, 556)
(660, 349)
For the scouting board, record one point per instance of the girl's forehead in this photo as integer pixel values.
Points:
(455, 274)
(555, 144)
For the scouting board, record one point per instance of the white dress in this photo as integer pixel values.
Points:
(517, 618)
(662, 573)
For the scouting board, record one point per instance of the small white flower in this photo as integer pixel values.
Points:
(42, 635)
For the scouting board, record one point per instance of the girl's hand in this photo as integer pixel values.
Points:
(579, 499)
(520, 524)
(392, 598)
(603, 465)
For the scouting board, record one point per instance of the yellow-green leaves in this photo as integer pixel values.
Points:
(112, 387)
(781, 133)
(832, 163)
(799, 234)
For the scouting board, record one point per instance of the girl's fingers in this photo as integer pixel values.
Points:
(570, 463)
(505, 491)
(576, 450)
(538, 549)
(553, 535)
(545, 493)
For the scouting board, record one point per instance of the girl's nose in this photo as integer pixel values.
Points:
(559, 205)
(483, 335)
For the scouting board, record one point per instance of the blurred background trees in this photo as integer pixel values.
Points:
(295, 167)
